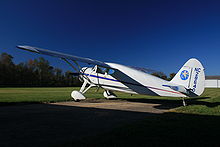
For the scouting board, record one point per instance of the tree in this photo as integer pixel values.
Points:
(7, 69)
(58, 77)
(172, 75)
(160, 75)
(6, 59)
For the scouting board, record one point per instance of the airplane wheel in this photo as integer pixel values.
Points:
(109, 95)
(75, 100)
(77, 96)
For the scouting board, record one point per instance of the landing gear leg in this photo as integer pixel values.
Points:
(184, 103)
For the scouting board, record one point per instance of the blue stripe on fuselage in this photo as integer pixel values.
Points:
(102, 77)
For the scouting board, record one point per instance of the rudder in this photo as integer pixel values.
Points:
(191, 76)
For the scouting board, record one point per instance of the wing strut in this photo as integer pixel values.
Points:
(72, 64)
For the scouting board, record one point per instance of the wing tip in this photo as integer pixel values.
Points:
(27, 48)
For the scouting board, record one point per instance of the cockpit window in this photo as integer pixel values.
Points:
(103, 70)
(111, 71)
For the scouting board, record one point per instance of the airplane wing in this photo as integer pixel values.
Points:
(62, 55)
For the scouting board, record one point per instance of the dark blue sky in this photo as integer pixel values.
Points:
(156, 34)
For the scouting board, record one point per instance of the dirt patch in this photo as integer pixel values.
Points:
(115, 105)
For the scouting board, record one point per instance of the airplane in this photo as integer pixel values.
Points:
(188, 82)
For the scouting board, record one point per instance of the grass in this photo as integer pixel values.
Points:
(34, 94)
(169, 129)
(193, 125)
(207, 104)
(52, 94)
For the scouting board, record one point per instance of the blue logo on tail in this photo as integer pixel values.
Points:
(184, 75)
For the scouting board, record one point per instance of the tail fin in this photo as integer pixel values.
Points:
(191, 76)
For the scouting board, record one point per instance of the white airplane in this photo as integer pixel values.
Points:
(188, 82)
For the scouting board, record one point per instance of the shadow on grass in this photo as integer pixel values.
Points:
(57, 125)
(168, 129)
(170, 104)
(18, 103)
(26, 103)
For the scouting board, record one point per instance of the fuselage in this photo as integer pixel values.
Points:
(126, 79)
(188, 82)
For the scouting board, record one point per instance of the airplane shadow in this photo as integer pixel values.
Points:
(18, 103)
(60, 125)
(171, 104)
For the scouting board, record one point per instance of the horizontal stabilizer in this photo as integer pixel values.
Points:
(179, 88)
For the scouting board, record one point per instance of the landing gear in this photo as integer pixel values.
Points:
(78, 95)
(184, 103)
(109, 94)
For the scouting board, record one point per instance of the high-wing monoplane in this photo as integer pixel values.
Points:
(188, 82)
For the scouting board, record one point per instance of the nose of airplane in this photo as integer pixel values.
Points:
(82, 73)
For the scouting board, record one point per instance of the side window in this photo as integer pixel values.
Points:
(105, 71)
(111, 71)
(101, 70)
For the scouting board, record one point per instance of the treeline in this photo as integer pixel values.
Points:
(39, 73)
(33, 73)
(164, 76)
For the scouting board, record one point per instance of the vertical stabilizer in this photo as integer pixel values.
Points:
(191, 76)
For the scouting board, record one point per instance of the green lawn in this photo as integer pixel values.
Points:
(207, 104)
(34, 94)
(54, 94)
